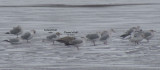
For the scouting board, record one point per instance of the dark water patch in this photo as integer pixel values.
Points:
(67, 6)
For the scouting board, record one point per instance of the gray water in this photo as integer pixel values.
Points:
(45, 56)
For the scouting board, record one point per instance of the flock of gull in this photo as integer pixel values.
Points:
(134, 34)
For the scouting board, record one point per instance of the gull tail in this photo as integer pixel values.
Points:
(124, 35)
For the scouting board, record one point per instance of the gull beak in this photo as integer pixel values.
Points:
(113, 30)
(152, 30)
(34, 31)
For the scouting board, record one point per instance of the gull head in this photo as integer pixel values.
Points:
(58, 33)
(152, 30)
(34, 31)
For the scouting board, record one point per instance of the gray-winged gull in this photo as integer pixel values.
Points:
(137, 37)
(148, 34)
(128, 32)
(28, 35)
(16, 31)
(105, 35)
(52, 37)
(93, 37)
(76, 42)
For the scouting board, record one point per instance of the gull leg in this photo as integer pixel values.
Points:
(94, 43)
(135, 43)
(105, 42)
(17, 35)
(27, 41)
(53, 42)
(77, 47)
(43, 40)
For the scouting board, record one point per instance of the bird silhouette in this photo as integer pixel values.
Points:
(149, 34)
(137, 37)
(93, 37)
(66, 40)
(13, 41)
(128, 32)
(105, 35)
(28, 35)
(52, 37)
(16, 31)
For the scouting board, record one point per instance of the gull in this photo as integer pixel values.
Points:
(16, 31)
(52, 37)
(28, 35)
(128, 32)
(13, 41)
(93, 37)
(137, 37)
(105, 35)
(104, 38)
(149, 34)
(76, 42)
(66, 40)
